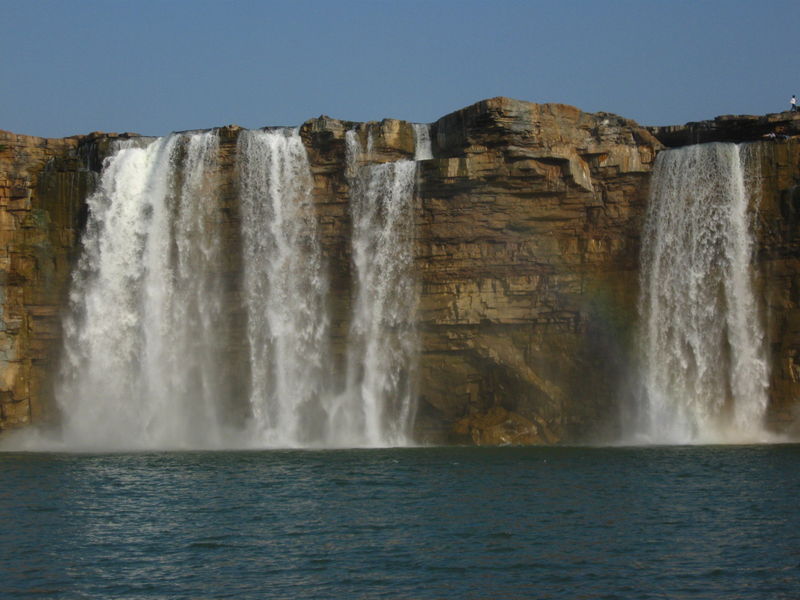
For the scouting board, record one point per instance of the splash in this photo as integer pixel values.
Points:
(705, 370)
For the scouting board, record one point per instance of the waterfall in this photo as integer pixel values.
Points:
(284, 288)
(151, 340)
(378, 405)
(422, 142)
(705, 370)
(141, 365)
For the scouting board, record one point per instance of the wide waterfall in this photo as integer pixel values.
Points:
(186, 332)
(378, 405)
(142, 366)
(705, 370)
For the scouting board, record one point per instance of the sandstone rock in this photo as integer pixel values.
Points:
(528, 221)
(529, 228)
(43, 185)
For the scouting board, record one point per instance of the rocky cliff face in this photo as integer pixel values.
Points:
(42, 187)
(529, 242)
(778, 252)
(528, 221)
(527, 245)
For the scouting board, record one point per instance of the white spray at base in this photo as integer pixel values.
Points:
(285, 290)
(150, 339)
(140, 367)
(378, 405)
(702, 342)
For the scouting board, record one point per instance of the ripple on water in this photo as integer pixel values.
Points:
(437, 523)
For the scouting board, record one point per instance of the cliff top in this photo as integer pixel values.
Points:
(730, 128)
(509, 117)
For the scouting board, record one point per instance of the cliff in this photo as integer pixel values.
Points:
(527, 239)
(42, 189)
(778, 259)
(527, 245)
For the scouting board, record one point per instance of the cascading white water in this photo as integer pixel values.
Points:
(285, 289)
(141, 359)
(422, 142)
(151, 355)
(378, 405)
(705, 370)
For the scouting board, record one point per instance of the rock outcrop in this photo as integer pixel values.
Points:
(528, 223)
(529, 242)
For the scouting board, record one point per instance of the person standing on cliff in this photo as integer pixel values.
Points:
(793, 103)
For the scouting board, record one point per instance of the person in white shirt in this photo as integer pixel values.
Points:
(793, 103)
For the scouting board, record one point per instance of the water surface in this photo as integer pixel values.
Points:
(659, 522)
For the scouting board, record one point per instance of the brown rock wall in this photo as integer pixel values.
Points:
(528, 225)
(778, 255)
(43, 184)
(528, 245)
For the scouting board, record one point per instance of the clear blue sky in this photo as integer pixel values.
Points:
(152, 67)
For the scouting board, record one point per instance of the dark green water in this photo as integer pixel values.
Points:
(672, 522)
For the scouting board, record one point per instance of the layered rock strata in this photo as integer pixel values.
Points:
(528, 221)
(43, 184)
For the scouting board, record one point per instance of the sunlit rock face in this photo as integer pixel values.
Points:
(43, 184)
(527, 229)
(524, 232)
(528, 241)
